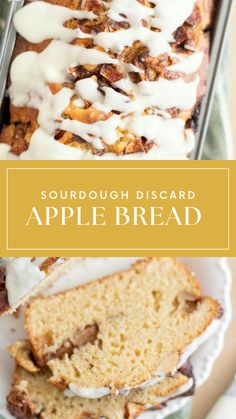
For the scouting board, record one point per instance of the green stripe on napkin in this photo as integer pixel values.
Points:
(219, 142)
(182, 414)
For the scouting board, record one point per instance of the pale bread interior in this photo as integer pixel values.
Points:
(35, 393)
(120, 330)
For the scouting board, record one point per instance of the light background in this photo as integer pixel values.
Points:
(225, 367)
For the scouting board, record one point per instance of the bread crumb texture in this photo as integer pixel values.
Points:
(121, 330)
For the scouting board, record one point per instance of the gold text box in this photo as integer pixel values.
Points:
(22, 184)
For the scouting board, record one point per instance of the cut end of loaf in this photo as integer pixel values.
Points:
(121, 330)
(19, 279)
(33, 396)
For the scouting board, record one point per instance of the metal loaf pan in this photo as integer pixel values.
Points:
(219, 32)
(8, 37)
(223, 9)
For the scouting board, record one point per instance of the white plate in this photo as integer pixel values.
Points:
(214, 277)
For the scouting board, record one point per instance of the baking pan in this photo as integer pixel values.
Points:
(219, 32)
(217, 47)
(8, 37)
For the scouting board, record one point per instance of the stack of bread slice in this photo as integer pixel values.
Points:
(112, 348)
(32, 396)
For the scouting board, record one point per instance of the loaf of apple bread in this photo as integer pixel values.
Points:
(94, 79)
(122, 331)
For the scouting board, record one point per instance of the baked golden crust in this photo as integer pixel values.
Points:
(21, 353)
(189, 37)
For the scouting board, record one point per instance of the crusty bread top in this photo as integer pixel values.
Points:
(32, 395)
(120, 330)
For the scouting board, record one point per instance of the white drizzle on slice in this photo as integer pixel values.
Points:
(49, 66)
(39, 21)
(92, 132)
(131, 11)
(44, 147)
(116, 41)
(162, 93)
(22, 274)
(188, 65)
(171, 14)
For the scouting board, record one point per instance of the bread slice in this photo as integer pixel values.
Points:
(21, 353)
(32, 396)
(122, 330)
(21, 278)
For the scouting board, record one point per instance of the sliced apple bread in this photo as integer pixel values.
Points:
(120, 331)
(32, 396)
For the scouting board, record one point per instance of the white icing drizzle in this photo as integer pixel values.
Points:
(88, 393)
(44, 147)
(39, 21)
(116, 41)
(105, 129)
(170, 14)
(163, 93)
(51, 110)
(154, 126)
(132, 9)
(188, 65)
(38, 69)
(160, 375)
(93, 393)
(167, 15)
(22, 274)
(88, 89)
(50, 66)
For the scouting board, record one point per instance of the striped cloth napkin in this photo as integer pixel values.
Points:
(219, 140)
(182, 414)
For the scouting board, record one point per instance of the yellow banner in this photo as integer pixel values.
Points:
(118, 208)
